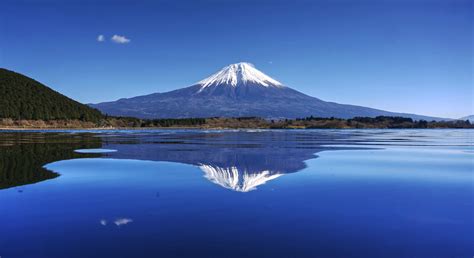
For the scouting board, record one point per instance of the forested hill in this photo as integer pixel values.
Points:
(24, 98)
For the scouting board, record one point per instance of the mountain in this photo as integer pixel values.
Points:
(470, 118)
(24, 98)
(235, 91)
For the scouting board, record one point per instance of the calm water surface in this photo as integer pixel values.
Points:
(293, 193)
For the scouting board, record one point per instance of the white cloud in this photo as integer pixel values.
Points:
(101, 38)
(103, 222)
(122, 221)
(120, 39)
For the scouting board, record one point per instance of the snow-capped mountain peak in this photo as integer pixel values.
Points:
(238, 90)
(239, 74)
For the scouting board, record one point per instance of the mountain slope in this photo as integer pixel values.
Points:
(470, 118)
(235, 91)
(24, 98)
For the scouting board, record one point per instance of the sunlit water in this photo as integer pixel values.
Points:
(293, 193)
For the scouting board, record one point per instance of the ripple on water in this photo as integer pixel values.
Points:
(94, 150)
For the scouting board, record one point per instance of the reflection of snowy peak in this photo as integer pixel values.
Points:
(237, 160)
(240, 181)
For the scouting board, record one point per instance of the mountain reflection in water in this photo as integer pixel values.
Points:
(240, 181)
(239, 161)
(236, 160)
(185, 193)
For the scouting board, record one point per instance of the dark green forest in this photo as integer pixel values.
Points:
(24, 98)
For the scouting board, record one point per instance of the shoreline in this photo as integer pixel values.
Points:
(239, 123)
(207, 128)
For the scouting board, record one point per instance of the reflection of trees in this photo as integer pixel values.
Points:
(23, 155)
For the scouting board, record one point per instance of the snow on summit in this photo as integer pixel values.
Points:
(239, 73)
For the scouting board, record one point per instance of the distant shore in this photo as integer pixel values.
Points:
(129, 123)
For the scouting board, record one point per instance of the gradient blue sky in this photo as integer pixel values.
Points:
(400, 55)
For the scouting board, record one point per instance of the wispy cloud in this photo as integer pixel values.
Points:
(120, 39)
(122, 221)
(101, 38)
(118, 222)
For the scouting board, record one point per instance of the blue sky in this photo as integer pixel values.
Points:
(398, 55)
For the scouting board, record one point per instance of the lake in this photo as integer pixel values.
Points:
(231, 193)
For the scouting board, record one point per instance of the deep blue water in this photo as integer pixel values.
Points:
(293, 193)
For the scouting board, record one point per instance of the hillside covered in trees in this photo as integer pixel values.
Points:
(22, 98)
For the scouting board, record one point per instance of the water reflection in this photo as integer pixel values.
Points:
(239, 161)
(94, 151)
(236, 160)
(240, 181)
(22, 156)
(397, 202)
